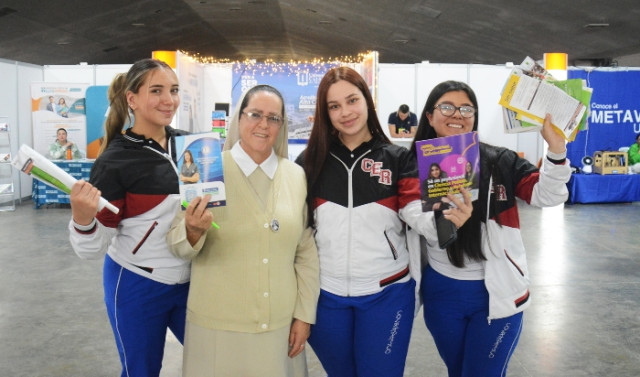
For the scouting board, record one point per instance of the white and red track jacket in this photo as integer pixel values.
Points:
(359, 233)
(140, 178)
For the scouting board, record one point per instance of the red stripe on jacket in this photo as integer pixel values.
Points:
(317, 202)
(110, 219)
(390, 202)
(408, 191)
(524, 189)
(510, 218)
(140, 203)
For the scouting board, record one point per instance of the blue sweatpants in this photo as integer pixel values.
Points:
(140, 310)
(456, 312)
(365, 336)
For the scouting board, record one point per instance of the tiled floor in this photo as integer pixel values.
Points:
(584, 319)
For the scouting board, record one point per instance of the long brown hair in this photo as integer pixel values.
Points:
(117, 94)
(323, 133)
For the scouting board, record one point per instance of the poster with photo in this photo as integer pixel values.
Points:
(56, 106)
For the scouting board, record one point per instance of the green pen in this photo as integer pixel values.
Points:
(185, 204)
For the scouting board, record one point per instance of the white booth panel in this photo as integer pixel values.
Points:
(104, 74)
(76, 74)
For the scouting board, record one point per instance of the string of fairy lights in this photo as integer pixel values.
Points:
(271, 67)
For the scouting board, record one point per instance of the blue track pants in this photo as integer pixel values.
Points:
(456, 312)
(365, 336)
(140, 311)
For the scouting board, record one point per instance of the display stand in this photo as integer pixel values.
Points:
(7, 175)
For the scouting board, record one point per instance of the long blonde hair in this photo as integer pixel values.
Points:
(117, 94)
(281, 146)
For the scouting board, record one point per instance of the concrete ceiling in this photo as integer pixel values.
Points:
(592, 32)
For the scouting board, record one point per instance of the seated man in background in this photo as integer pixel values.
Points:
(403, 123)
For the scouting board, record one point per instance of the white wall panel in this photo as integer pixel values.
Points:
(396, 86)
(104, 74)
(76, 74)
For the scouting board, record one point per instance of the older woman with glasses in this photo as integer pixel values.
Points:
(254, 281)
(475, 290)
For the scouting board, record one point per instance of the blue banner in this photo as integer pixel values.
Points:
(614, 120)
(298, 84)
(97, 105)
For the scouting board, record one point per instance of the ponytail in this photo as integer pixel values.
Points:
(118, 110)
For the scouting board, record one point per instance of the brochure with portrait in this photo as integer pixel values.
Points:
(199, 159)
(446, 164)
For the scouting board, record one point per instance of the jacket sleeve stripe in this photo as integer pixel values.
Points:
(408, 190)
(524, 190)
(108, 218)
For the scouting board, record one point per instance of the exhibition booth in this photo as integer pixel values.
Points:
(614, 122)
(209, 89)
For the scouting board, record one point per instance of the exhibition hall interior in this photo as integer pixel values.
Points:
(522, 60)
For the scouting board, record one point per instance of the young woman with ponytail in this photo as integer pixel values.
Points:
(145, 286)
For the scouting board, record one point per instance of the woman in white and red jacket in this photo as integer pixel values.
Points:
(475, 290)
(359, 187)
(145, 286)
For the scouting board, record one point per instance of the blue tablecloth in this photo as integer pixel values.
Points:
(611, 188)
(45, 194)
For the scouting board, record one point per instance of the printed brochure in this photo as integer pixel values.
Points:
(200, 167)
(531, 92)
(446, 164)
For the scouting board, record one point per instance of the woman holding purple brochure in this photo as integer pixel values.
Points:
(475, 290)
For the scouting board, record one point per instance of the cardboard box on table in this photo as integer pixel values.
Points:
(610, 163)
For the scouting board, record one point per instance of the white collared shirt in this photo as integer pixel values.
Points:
(247, 165)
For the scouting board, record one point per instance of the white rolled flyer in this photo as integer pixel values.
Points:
(39, 167)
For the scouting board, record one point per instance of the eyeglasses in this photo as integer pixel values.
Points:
(448, 110)
(272, 120)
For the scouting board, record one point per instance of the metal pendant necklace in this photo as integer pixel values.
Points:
(275, 225)
(275, 194)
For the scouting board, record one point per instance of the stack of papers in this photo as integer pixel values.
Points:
(531, 92)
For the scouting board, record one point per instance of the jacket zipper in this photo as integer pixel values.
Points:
(350, 208)
(146, 235)
(393, 249)
(514, 263)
